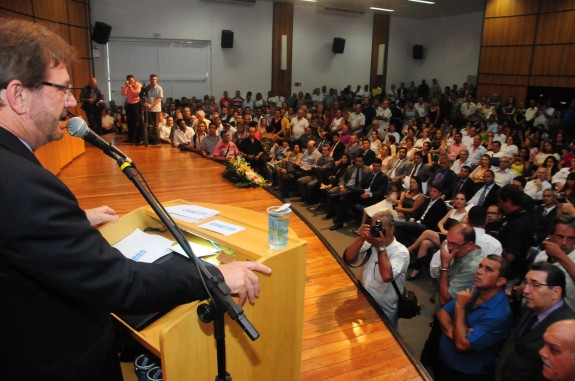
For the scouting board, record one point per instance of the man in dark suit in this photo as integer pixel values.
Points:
(544, 290)
(59, 277)
(487, 194)
(399, 167)
(374, 190)
(445, 177)
(427, 217)
(465, 185)
(418, 168)
(337, 147)
(543, 216)
(351, 182)
(366, 152)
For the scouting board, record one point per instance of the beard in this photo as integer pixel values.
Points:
(46, 122)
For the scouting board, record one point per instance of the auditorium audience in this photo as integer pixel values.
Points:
(479, 151)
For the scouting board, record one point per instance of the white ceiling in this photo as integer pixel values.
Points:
(403, 8)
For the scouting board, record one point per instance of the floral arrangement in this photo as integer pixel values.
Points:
(242, 175)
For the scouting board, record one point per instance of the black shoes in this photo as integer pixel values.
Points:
(335, 226)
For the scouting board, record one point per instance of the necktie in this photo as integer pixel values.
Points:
(458, 188)
(357, 177)
(414, 170)
(372, 180)
(439, 177)
(482, 196)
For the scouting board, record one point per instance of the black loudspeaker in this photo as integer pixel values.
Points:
(338, 45)
(417, 52)
(101, 32)
(227, 39)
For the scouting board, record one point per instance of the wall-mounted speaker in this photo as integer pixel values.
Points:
(338, 45)
(227, 39)
(417, 52)
(101, 32)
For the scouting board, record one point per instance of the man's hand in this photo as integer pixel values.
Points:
(553, 250)
(242, 280)
(464, 297)
(445, 255)
(101, 214)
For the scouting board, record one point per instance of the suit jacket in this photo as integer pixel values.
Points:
(468, 188)
(368, 156)
(519, 360)
(337, 151)
(378, 188)
(60, 279)
(437, 211)
(491, 196)
(365, 174)
(424, 171)
(402, 170)
(446, 180)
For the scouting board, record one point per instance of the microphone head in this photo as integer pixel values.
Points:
(77, 127)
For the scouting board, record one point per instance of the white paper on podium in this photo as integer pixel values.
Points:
(222, 227)
(191, 213)
(144, 247)
(199, 250)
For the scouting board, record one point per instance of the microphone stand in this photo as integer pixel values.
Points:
(219, 292)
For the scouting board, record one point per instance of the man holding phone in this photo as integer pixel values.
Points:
(383, 260)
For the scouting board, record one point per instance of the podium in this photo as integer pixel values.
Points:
(186, 346)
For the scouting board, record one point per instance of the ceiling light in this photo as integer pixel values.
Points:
(310, 1)
(381, 9)
(423, 1)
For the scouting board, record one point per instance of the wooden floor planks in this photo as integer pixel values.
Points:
(343, 337)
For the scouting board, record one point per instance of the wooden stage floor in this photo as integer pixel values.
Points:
(343, 336)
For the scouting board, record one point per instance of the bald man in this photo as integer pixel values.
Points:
(558, 352)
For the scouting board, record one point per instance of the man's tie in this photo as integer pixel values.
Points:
(528, 323)
(482, 196)
(372, 180)
(414, 170)
(357, 170)
(459, 186)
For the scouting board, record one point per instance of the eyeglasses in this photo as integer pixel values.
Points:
(534, 284)
(456, 245)
(67, 89)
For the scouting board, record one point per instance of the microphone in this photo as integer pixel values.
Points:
(76, 126)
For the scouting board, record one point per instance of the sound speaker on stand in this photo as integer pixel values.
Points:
(338, 45)
(101, 32)
(227, 39)
(417, 52)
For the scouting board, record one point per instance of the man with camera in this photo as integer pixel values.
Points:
(383, 260)
(131, 91)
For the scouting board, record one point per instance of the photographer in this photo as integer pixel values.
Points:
(131, 91)
(383, 259)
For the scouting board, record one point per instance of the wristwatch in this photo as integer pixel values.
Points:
(444, 269)
(381, 248)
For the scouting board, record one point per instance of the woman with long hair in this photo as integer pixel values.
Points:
(411, 200)
(567, 191)
(430, 239)
(478, 173)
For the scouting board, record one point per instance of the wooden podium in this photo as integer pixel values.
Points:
(186, 346)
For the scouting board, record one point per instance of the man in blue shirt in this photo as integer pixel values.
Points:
(475, 324)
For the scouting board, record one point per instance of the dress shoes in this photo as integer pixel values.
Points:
(140, 143)
(335, 226)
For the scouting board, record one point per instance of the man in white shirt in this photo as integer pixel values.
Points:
(383, 115)
(299, 124)
(544, 115)
(504, 175)
(183, 135)
(387, 260)
(356, 120)
(154, 105)
(476, 150)
(468, 108)
(535, 188)
(468, 134)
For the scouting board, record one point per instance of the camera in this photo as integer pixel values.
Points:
(376, 229)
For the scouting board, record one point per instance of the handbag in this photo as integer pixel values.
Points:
(407, 304)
